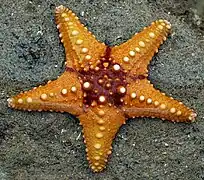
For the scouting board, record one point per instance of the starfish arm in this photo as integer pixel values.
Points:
(63, 94)
(136, 53)
(100, 124)
(81, 47)
(142, 100)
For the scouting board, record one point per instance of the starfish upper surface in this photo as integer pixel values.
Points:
(104, 86)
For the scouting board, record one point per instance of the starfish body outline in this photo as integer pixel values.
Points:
(104, 86)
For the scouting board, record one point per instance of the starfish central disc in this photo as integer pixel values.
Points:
(106, 83)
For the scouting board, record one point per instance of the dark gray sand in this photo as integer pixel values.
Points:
(44, 145)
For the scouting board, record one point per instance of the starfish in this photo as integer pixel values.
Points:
(104, 86)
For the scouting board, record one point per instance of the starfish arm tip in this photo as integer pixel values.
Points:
(10, 102)
(192, 116)
(59, 9)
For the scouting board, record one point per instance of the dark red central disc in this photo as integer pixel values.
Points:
(106, 83)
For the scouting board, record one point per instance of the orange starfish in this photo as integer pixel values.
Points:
(104, 86)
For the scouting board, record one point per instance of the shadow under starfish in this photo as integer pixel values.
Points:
(104, 86)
